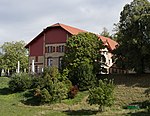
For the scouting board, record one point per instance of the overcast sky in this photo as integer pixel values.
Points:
(24, 19)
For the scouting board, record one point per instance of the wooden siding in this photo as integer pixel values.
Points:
(36, 48)
(56, 35)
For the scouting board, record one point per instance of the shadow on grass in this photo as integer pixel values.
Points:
(142, 105)
(30, 99)
(136, 80)
(143, 113)
(80, 112)
(5, 91)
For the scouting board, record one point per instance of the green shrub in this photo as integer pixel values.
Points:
(102, 95)
(45, 96)
(52, 86)
(38, 82)
(60, 91)
(20, 82)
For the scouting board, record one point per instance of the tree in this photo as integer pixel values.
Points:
(134, 36)
(102, 95)
(1, 62)
(12, 53)
(83, 50)
(105, 32)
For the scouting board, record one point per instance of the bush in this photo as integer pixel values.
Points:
(102, 95)
(45, 96)
(20, 82)
(38, 82)
(52, 86)
(60, 91)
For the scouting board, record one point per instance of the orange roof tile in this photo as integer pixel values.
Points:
(112, 43)
(72, 30)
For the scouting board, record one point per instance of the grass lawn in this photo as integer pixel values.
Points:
(12, 105)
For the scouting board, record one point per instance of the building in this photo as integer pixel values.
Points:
(47, 48)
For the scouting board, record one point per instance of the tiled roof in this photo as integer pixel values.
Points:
(74, 31)
(112, 44)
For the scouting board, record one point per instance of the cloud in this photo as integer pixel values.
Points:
(23, 20)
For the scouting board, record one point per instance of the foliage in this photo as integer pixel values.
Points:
(82, 49)
(73, 92)
(52, 86)
(12, 52)
(38, 82)
(45, 96)
(133, 33)
(49, 87)
(102, 95)
(86, 78)
(14, 103)
(20, 82)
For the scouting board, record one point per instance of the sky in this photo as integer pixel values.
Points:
(25, 19)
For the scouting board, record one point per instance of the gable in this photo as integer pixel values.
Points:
(58, 33)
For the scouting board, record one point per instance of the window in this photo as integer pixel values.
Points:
(53, 48)
(49, 61)
(57, 49)
(49, 49)
(103, 59)
(61, 48)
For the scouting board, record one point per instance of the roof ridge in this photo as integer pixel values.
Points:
(70, 29)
